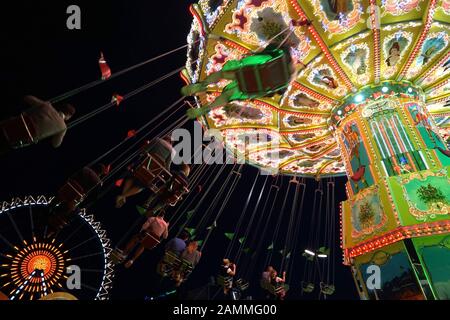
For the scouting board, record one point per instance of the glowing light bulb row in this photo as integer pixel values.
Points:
(237, 46)
(400, 234)
(323, 46)
(376, 40)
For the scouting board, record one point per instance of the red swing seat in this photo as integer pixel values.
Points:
(151, 173)
(180, 188)
(150, 242)
(71, 194)
(19, 131)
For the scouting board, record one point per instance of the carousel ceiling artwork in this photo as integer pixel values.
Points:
(348, 46)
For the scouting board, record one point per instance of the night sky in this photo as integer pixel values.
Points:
(40, 56)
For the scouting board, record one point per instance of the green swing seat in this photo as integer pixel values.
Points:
(170, 262)
(327, 289)
(308, 287)
(264, 74)
(224, 281)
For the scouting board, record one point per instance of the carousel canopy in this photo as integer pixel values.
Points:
(397, 46)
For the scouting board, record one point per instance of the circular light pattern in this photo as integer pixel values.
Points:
(338, 56)
(40, 257)
(36, 268)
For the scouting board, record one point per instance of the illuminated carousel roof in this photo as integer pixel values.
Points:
(350, 45)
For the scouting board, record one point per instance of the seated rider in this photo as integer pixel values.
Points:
(278, 284)
(173, 250)
(40, 121)
(156, 228)
(255, 76)
(173, 190)
(178, 244)
(190, 255)
(161, 150)
(76, 189)
(227, 272)
(265, 278)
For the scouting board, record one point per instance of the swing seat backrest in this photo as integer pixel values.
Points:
(71, 193)
(308, 287)
(265, 79)
(19, 131)
(224, 281)
(150, 242)
(152, 173)
(180, 188)
(186, 268)
(242, 284)
(171, 258)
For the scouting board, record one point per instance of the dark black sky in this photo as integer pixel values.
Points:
(40, 56)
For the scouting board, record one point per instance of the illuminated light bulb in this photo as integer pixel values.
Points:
(359, 98)
(385, 89)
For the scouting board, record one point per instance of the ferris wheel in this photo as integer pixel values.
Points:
(75, 263)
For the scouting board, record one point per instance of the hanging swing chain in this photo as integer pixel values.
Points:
(215, 202)
(256, 235)
(272, 209)
(326, 237)
(126, 97)
(280, 220)
(216, 177)
(203, 168)
(308, 270)
(291, 230)
(316, 243)
(224, 203)
(250, 223)
(129, 158)
(203, 173)
(333, 226)
(95, 83)
(124, 163)
(142, 129)
(298, 226)
(241, 218)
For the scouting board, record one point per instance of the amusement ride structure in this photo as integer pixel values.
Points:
(307, 92)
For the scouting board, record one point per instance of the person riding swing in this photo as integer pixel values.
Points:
(74, 192)
(152, 232)
(40, 121)
(256, 76)
(155, 161)
(172, 192)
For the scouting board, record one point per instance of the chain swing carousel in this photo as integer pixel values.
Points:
(305, 90)
(369, 101)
